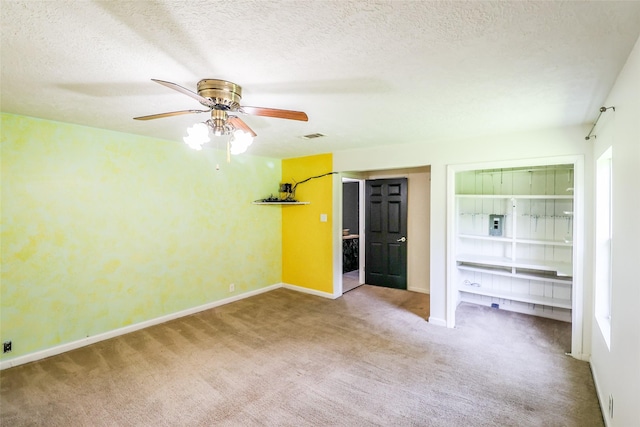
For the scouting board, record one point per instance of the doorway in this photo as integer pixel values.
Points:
(418, 224)
(351, 232)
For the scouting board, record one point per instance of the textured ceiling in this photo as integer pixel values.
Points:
(366, 72)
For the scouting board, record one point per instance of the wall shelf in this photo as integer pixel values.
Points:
(281, 203)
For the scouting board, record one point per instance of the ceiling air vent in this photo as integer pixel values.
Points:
(313, 136)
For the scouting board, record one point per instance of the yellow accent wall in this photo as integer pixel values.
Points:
(306, 241)
(101, 230)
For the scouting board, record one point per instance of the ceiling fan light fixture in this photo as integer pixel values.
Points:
(218, 123)
(240, 141)
(198, 135)
(222, 97)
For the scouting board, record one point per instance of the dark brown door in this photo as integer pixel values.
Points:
(386, 233)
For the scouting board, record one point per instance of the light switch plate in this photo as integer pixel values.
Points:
(323, 217)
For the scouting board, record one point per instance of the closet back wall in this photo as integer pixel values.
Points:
(101, 230)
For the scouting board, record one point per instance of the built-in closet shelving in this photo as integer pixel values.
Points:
(514, 239)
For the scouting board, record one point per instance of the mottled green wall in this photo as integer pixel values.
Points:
(102, 230)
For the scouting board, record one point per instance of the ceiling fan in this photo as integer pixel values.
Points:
(222, 98)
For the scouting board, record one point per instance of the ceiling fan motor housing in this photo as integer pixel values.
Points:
(224, 94)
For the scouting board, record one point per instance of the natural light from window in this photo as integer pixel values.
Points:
(604, 243)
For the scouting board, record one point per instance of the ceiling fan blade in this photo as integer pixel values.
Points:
(201, 99)
(173, 113)
(272, 112)
(237, 123)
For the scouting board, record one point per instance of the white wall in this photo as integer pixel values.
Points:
(617, 372)
(550, 143)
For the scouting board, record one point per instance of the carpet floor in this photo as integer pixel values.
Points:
(285, 358)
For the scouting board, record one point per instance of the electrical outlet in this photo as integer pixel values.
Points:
(232, 287)
(6, 347)
(611, 406)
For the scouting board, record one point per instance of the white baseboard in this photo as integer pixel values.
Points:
(309, 291)
(580, 356)
(419, 290)
(438, 322)
(604, 405)
(52, 351)
(42, 354)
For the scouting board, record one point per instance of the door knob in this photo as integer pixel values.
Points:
(402, 239)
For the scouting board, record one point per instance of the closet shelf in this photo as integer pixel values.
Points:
(544, 242)
(482, 237)
(510, 240)
(560, 268)
(531, 299)
(564, 280)
(515, 196)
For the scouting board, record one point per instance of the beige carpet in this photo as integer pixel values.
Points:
(291, 359)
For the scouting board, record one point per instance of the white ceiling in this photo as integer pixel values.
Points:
(366, 72)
